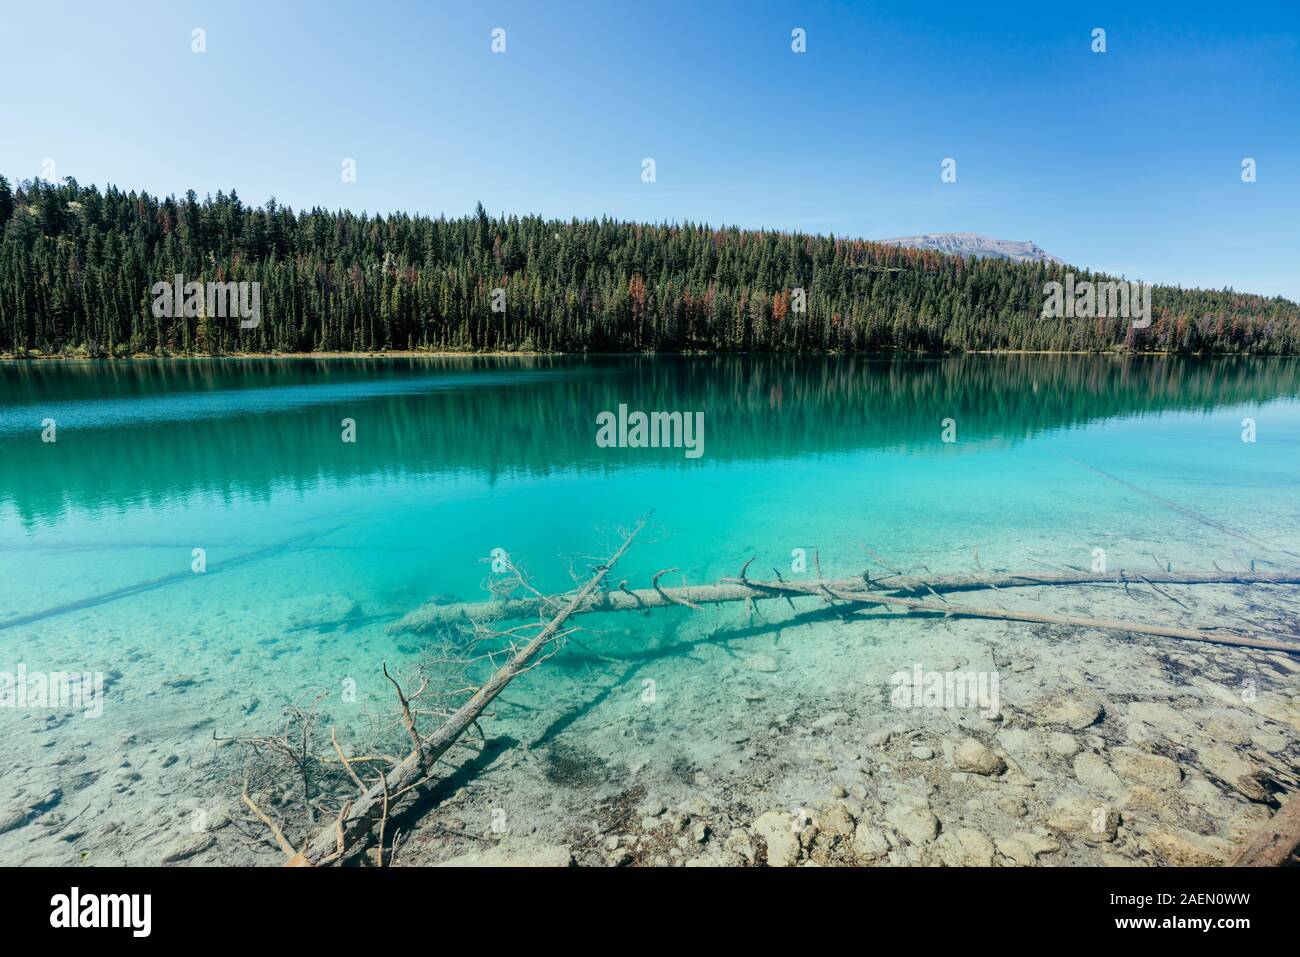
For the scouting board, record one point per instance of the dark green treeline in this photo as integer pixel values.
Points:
(77, 266)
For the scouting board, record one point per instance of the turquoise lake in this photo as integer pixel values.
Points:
(455, 457)
(313, 544)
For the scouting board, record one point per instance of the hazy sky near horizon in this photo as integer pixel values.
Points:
(1127, 161)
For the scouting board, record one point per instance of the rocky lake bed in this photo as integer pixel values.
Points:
(778, 742)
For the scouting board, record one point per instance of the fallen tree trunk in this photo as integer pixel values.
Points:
(332, 842)
(1274, 843)
(1104, 624)
(431, 615)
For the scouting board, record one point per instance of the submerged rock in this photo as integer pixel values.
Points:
(779, 831)
(1182, 848)
(1024, 744)
(1143, 801)
(964, 847)
(1226, 728)
(1227, 765)
(917, 824)
(973, 756)
(1063, 744)
(740, 844)
(1024, 847)
(1012, 806)
(1070, 711)
(1155, 720)
(1269, 741)
(1139, 767)
(1080, 817)
(836, 822)
(869, 842)
(1095, 774)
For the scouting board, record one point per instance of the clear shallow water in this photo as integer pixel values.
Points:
(455, 457)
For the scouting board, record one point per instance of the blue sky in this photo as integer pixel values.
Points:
(1127, 161)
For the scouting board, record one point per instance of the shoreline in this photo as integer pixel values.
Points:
(148, 357)
(415, 354)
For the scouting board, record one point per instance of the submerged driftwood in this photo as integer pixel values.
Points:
(1103, 624)
(372, 808)
(894, 590)
(1276, 841)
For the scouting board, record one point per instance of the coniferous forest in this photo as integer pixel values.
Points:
(77, 266)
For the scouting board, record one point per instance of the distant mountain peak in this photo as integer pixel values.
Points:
(973, 244)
